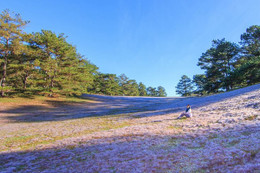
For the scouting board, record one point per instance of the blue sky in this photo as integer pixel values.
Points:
(151, 41)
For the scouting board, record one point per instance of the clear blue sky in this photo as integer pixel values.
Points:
(151, 41)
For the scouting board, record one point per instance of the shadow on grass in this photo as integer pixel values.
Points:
(145, 153)
(135, 106)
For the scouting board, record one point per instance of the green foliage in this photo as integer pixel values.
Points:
(218, 62)
(250, 41)
(156, 92)
(199, 80)
(151, 91)
(110, 84)
(132, 88)
(11, 46)
(248, 73)
(161, 92)
(128, 87)
(45, 63)
(250, 60)
(185, 86)
(142, 89)
(106, 84)
(228, 66)
(60, 68)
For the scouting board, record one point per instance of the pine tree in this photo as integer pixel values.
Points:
(184, 87)
(249, 64)
(123, 84)
(161, 92)
(131, 88)
(142, 89)
(106, 84)
(250, 41)
(11, 45)
(151, 91)
(85, 75)
(60, 65)
(219, 62)
(199, 80)
(23, 68)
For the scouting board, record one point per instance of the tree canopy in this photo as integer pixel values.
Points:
(185, 86)
(228, 65)
(45, 63)
(11, 46)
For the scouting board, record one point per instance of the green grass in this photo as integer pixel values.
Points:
(175, 127)
(18, 140)
(27, 142)
(13, 100)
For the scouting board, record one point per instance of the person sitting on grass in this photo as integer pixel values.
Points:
(187, 113)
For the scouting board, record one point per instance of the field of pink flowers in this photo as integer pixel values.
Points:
(132, 134)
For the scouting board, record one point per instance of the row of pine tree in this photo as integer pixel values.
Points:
(45, 63)
(227, 66)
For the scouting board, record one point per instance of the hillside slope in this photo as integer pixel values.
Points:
(129, 134)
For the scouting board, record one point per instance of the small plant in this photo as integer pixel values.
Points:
(252, 117)
(20, 168)
(233, 142)
(70, 147)
(246, 133)
(79, 159)
(253, 153)
(175, 127)
(213, 136)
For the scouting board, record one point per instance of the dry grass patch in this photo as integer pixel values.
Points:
(252, 117)
(49, 132)
(174, 127)
(39, 100)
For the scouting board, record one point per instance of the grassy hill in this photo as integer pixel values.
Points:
(131, 134)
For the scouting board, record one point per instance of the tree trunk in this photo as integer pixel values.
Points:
(25, 81)
(3, 78)
(52, 82)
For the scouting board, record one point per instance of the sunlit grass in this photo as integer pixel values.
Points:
(175, 127)
(30, 137)
(43, 99)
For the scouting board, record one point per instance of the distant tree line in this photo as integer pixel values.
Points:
(227, 66)
(45, 63)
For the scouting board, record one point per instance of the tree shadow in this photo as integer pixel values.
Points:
(236, 149)
(135, 107)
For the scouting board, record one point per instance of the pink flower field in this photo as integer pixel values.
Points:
(132, 134)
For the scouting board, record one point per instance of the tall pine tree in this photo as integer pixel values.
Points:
(219, 62)
(249, 69)
(161, 92)
(142, 89)
(11, 45)
(184, 87)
